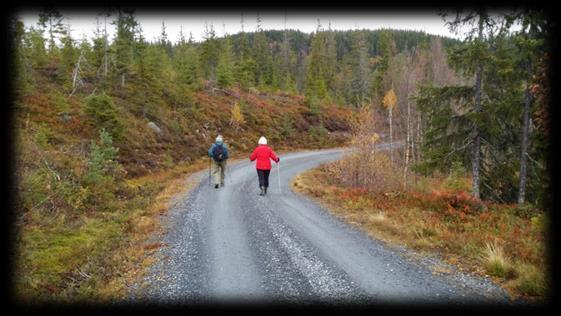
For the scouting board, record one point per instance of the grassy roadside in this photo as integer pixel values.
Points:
(95, 256)
(437, 217)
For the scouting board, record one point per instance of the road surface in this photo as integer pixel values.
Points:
(230, 245)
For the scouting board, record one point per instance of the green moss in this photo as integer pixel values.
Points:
(43, 136)
(53, 253)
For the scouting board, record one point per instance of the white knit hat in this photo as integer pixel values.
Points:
(262, 141)
(219, 138)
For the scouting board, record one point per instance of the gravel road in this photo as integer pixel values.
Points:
(230, 245)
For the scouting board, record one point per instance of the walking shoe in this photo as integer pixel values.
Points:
(216, 186)
(262, 191)
(265, 191)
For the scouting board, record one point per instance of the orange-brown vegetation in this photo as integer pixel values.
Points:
(482, 237)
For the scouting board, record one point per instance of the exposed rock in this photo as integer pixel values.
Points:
(64, 117)
(154, 127)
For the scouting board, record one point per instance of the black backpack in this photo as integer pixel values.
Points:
(218, 153)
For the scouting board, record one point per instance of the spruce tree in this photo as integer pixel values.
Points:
(51, 19)
(124, 43)
(262, 57)
(225, 76)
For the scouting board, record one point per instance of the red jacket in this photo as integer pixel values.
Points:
(262, 153)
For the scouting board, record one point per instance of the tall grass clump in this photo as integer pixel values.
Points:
(495, 261)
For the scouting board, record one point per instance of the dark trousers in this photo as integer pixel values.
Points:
(263, 177)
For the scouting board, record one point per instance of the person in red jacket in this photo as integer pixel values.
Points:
(263, 154)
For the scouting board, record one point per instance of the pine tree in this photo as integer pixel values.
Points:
(51, 20)
(472, 58)
(34, 48)
(98, 48)
(330, 60)
(164, 42)
(124, 43)
(148, 70)
(360, 81)
(529, 46)
(262, 57)
(285, 67)
(182, 40)
(245, 65)
(187, 63)
(386, 50)
(20, 74)
(316, 75)
(209, 53)
(68, 56)
(225, 76)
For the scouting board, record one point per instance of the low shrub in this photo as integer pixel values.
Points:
(371, 170)
(526, 211)
(530, 280)
(104, 113)
(456, 180)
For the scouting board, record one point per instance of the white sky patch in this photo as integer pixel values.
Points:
(83, 24)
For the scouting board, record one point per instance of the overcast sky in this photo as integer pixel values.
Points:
(84, 23)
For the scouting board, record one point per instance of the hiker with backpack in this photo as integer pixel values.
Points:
(263, 154)
(219, 154)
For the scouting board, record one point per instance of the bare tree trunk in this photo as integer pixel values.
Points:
(76, 80)
(525, 140)
(419, 136)
(476, 159)
(408, 137)
(76, 71)
(413, 141)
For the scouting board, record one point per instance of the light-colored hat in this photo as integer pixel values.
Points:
(219, 138)
(262, 141)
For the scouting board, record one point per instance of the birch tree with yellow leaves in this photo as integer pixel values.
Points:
(389, 101)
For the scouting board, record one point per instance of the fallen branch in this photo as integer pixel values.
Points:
(225, 92)
(51, 170)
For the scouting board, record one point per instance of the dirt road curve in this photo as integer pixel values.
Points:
(231, 245)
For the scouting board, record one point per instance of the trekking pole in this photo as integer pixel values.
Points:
(228, 174)
(278, 170)
(248, 172)
(209, 162)
(227, 171)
